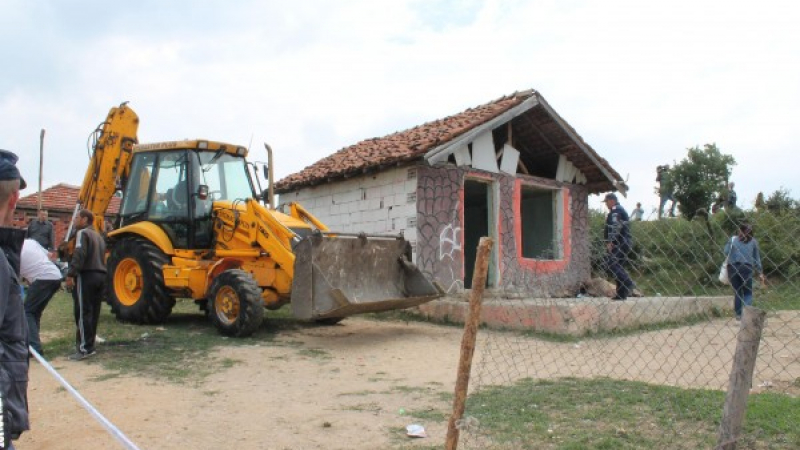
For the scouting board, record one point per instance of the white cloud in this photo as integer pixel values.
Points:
(640, 82)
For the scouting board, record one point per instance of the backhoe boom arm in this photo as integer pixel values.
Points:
(110, 162)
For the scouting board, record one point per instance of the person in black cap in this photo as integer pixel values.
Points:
(617, 237)
(13, 325)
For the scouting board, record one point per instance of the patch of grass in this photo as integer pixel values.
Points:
(358, 393)
(181, 350)
(408, 315)
(368, 407)
(417, 447)
(445, 396)
(778, 296)
(107, 376)
(406, 389)
(558, 338)
(603, 413)
(402, 442)
(429, 415)
(227, 363)
(315, 353)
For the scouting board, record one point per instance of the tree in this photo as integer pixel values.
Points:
(699, 177)
(781, 201)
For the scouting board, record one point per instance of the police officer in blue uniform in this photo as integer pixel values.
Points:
(617, 236)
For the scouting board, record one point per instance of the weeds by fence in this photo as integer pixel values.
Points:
(651, 371)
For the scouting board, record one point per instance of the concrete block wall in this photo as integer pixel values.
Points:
(376, 203)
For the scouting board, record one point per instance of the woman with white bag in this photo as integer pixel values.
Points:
(743, 257)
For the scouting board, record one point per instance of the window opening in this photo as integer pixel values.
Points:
(539, 218)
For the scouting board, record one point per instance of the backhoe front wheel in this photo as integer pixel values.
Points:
(234, 303)
(136, 290)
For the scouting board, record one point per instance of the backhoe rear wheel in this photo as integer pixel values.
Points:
(136, 290)
(234, 303)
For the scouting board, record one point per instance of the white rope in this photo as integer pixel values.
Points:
(85, 403)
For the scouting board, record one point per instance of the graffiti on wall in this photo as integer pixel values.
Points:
(439, 227)
(450, 250)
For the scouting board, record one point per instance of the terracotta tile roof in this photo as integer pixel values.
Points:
(61, 197)
(398, 147)
(539, 130)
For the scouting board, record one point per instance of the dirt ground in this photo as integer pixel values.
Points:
(351, 386)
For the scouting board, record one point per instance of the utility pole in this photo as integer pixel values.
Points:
(41, 165)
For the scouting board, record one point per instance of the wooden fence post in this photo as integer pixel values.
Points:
(468, 340)
(741, 380)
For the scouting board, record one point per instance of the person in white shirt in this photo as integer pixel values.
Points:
(45, 280)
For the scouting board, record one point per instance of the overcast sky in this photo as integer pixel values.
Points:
(640, 81)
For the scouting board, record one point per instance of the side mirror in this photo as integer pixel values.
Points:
(265, 169)
(202, 192)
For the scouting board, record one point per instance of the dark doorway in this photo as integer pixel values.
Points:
(477, 219)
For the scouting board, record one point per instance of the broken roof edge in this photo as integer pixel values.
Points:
(442, 152)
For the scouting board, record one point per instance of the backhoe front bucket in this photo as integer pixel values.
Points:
(338, 276)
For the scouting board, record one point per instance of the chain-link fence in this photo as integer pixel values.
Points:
(651, 371)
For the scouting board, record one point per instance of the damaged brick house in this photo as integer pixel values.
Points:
(511, 169)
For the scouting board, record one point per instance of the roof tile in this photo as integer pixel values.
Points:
(61, 197)
(401, 146)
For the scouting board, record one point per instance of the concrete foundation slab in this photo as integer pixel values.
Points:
(577, 316)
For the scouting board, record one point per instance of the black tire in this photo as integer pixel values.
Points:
(234, 304)
(136, 290)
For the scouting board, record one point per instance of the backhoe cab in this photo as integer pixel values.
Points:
(191, 226)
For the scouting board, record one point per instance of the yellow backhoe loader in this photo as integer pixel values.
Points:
(192, 225)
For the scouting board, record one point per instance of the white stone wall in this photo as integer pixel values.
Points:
(377, 203)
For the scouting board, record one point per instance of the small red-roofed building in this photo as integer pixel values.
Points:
(511, 169)
(59, 201)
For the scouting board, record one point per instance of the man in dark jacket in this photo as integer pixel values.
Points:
(13, 326)
(41, 231)
(617, 237)
(86, 278)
